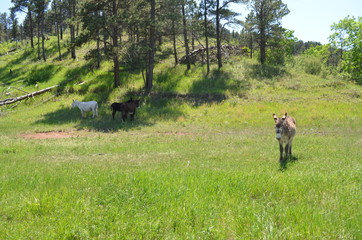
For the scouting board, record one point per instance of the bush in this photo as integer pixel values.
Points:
(309, 64)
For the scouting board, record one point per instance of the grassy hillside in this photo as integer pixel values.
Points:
(199, 161)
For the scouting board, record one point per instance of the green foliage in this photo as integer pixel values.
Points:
(314, 60)
(321, 51)
(133, 55)
(310, 65)
(264, 21)
(281, 50)
(348, 36)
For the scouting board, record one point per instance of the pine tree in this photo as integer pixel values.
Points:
(264, 19)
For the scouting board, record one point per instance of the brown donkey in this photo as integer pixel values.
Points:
(125, 108)
(285, 129)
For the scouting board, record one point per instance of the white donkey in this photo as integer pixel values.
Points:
(86, 107)
(285, 129)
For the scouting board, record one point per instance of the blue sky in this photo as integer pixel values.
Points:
(310, 19)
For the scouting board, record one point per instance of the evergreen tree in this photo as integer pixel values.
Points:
(4, 24)
(14, 27)
(264, 20)
(26, 6)
(103, 16)
(185, 33)
(40, 6)
(222, 12)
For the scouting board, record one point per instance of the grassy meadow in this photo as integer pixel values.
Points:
(200, 161)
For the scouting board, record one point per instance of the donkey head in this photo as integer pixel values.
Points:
(136, 102)
(279, 125)
(74, 104)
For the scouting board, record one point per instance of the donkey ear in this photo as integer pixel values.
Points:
(275, 117)
(284, 117)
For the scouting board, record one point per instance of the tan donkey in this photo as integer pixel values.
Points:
(285, 129)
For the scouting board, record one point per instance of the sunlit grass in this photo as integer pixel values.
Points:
(187, 167)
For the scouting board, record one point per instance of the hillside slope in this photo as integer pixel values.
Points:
(242, 81)
(200, 161)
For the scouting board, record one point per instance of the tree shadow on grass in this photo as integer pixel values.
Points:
(220, 82)
(215, 82)
(151, 110)
(23, 57)
(41, 75)
(102, 123)
(15, 65)
(73, 76)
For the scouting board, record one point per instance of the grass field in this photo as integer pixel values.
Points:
(186, 168)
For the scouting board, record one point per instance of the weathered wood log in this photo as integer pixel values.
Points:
(29, 95)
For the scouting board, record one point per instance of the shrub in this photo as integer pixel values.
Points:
(309, 64)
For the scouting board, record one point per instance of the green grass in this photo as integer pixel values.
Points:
(186, 168)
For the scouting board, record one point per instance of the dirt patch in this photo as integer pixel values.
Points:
(46, 135)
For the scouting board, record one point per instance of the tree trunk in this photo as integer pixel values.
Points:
(31, 29)
(21, 33)
(174, 42)
(206, 38)
(218, 37)
(58, 36)
(98, 54)
(185, 35)
(105, 35)
(262, 45)
(115, 45)
(192, 41)
(72, 30)
(38, 23)
(251, 45)
(151, 52)
(57, 29)
(43, 37)
(61, 20)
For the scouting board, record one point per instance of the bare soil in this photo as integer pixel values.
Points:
(46, 135)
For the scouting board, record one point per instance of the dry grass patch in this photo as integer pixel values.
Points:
(47, 135)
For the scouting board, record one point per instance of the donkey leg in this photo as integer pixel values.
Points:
(281, 152)
(113, 113)
(290, 150)
(287, 151)
(132, 115)
(124, 116)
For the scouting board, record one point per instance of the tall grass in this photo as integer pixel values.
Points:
(187, 167)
